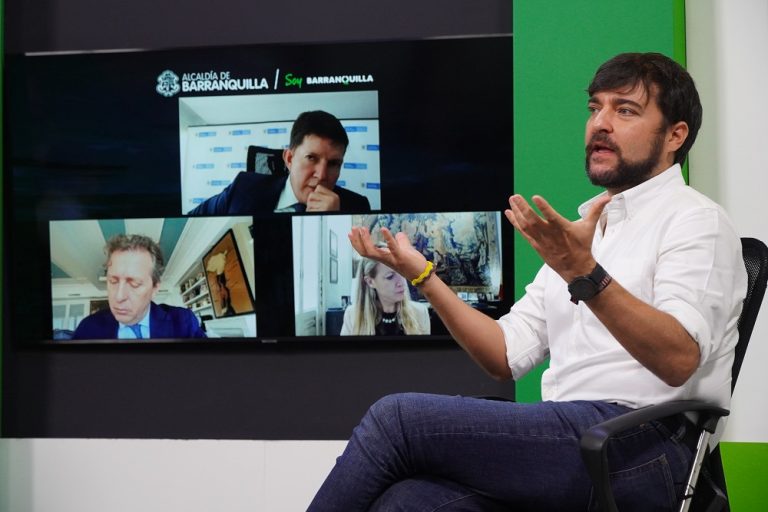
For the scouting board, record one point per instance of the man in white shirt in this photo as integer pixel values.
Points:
(637, 304)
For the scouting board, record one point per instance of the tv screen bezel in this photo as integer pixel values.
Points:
(10, 328)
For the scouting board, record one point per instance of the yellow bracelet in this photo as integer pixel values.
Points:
(424, 275)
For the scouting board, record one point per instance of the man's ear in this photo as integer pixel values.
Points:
(678, 132)
(288, 157)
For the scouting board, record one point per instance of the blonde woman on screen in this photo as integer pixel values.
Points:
(383, 305)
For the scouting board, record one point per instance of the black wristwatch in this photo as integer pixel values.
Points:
(586, 287)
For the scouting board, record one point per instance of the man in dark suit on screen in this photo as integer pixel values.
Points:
(314, 157)
(134, 265)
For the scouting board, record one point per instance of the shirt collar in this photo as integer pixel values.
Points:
(638, 197)
(287, 197)
(144, 322)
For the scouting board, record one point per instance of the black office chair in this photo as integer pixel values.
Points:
(263, 160)
(710, 495)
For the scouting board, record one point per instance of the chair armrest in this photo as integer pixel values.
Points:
(594, 442)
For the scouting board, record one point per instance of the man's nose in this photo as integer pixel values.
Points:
(321, 170)
(121, 292)
(601, 121)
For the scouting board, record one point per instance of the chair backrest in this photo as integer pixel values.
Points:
(264, 160)
(756, 261)
(714, 495)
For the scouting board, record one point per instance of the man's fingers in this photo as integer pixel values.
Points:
(512, 218)
(516, 223)
(520, 206)
(356, 239)
(388, 237)
(515, 213)
(549, 213)
(402, 240)
(522, 216)
(322, 199)
(597, 208)
(361, 241)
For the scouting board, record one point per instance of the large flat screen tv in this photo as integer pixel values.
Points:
(101, 144)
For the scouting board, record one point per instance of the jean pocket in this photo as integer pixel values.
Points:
(644, 488)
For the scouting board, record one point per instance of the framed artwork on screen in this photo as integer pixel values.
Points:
(464, 246)
(225, 275)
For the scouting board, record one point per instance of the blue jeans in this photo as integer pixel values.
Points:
(422, 452)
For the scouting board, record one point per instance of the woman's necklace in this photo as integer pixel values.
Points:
(388, 318)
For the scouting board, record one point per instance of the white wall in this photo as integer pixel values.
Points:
(727, 55)
(727, 52)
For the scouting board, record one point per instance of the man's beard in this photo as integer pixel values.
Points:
(626, 174)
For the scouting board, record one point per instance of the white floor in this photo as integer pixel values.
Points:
(122, 475)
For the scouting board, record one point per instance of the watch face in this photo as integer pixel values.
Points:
(582, 288)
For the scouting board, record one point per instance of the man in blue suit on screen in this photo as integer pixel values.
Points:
(134, 265)
(314, 157)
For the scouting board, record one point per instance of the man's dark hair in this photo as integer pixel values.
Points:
(676, 93)
(138, 243)
(320, 123)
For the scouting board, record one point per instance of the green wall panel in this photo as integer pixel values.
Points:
(745, 466)
(2, 66)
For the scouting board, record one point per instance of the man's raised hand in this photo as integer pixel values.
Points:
(564, 245)
(398, 254)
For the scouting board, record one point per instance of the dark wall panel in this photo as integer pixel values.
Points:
(46, 25)
(220, 392)
(232, 391)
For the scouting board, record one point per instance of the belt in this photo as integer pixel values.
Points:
(675, 422)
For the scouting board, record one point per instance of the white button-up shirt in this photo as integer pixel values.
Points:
(669, 246)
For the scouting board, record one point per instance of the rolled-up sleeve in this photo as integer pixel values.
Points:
(525, 328)
(700, 277)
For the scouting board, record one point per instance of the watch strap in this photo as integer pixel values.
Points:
(598, 276)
